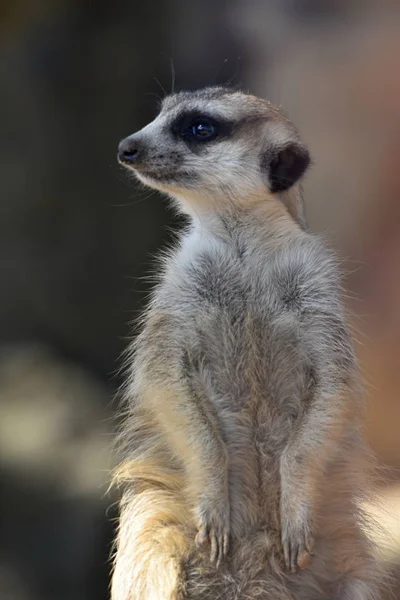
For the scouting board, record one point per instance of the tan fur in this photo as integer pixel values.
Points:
(152, 534)
(244, 469)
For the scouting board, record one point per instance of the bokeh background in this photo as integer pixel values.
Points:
(77, 237)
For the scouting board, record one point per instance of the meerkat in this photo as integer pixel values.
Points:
(244, 465)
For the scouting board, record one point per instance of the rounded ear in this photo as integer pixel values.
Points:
(285, 166)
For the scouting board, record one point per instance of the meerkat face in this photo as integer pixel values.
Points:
(216, 144)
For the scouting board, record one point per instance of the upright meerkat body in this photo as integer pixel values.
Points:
(243, 458)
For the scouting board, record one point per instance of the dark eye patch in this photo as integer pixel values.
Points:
(202, 130)
(197, 128)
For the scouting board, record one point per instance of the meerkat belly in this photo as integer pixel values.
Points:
(258, 378)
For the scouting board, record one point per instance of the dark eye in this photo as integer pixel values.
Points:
(202, 130)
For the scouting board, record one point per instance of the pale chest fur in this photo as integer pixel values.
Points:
(242, 308)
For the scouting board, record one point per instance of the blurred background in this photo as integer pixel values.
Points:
(77, 237)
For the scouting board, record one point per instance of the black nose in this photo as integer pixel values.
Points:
(128, 150)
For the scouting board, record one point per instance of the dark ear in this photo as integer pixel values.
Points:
(286, 166)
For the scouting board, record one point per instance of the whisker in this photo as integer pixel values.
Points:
(172, 75)
(161, 86)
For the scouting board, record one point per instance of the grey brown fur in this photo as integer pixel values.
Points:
(244, 466)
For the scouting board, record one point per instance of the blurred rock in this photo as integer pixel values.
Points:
(54, 472)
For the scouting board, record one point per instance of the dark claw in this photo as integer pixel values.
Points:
(214, 549)
(293, 557)
(297, 554)
(226, 544)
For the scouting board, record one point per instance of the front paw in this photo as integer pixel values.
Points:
(213, 524)
(298, 542)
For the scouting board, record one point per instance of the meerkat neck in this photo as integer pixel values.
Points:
(223, 220)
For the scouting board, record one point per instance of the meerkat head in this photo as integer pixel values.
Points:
(217, 147)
